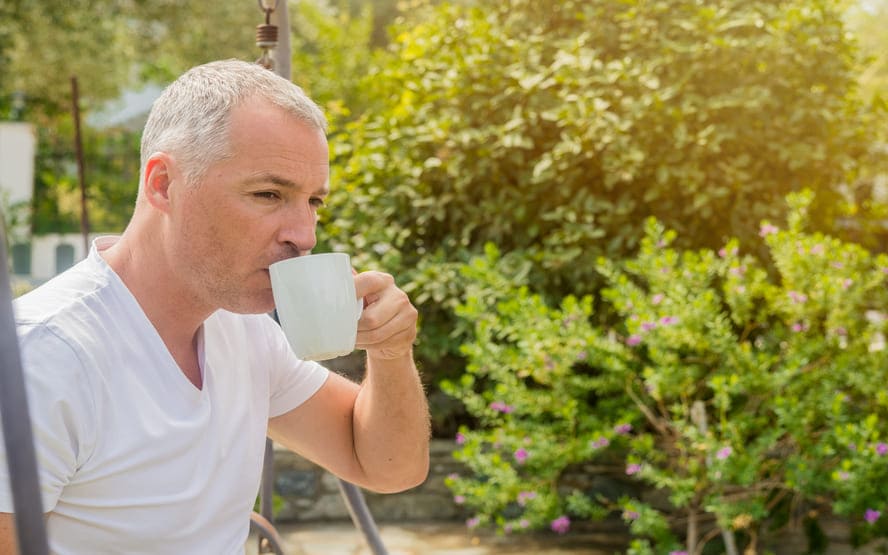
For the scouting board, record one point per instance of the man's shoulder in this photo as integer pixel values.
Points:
(57, 297)
(76, 309)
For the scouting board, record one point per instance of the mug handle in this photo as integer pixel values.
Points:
(360, 299)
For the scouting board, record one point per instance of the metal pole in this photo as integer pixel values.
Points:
(282, 52)
(281, 56)
(351, 494)
(78, 140)
(17, 436)
(360, 515)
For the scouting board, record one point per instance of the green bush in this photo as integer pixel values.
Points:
(735, 392)
(19, 288)
(111, 170)
(553, 128)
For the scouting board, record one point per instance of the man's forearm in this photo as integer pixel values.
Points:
(391, 425)
(7, 534)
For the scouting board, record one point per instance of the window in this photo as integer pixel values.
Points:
(21, 259)
(64, 255)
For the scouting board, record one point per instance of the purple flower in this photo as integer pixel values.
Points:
(657, 299)
(881, 448)
(560, 525)
(524, 523)
(630, 514)
(799, 327)
(843, 476)
(459, 499)
(453, 476)
(723, 252)
(473, 522)
(723, 453)
(460, 438)
(648, 326)
(521, 455)
(847, 282)
(633, 468)
(524, 496)
(582, 356)
(767, 229)
(668, 320)
(599, 443)
(817, 249)
(871, 515)
(500, 406)
(623, 428)
(738, 270)
(797, 297)
(633, 340)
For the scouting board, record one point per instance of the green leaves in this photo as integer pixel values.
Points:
(722, 385)
(554, 129)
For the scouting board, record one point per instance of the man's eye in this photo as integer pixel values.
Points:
(317, 202)
(267, 195)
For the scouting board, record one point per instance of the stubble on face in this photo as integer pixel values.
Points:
(226, 243)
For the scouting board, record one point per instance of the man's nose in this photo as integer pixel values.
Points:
(298, 229)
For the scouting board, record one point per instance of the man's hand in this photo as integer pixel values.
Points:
(375, 435)
(387, 328)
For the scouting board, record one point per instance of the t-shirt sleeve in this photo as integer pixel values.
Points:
(62, 414)
(292, 381)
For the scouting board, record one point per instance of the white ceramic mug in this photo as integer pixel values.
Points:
(316, 304)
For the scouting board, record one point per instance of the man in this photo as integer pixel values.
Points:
(154, 372)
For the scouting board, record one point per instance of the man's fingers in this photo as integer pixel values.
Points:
(368, 283)
(382, 307)
(388, 323)
(375, 330)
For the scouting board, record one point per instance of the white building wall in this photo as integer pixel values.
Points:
(17, 144)
(43, 253)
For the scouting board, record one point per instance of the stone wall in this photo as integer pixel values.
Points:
(309, 493)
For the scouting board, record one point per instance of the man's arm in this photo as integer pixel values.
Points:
(7, 535)
(375, 435)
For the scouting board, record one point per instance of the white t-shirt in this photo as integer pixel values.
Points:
(132, 457)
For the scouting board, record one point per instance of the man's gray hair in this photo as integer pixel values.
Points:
(191, 118)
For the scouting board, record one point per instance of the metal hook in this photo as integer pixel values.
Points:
(266, 35)
(267, 10)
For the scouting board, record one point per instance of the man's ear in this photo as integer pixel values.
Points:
(160, 173)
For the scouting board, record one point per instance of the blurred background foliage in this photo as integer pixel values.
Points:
(551, 128)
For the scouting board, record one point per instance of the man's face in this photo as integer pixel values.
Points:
(251, 210)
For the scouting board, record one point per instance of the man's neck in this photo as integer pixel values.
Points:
(176, 313)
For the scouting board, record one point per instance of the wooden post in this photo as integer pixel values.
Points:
(78, 141)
